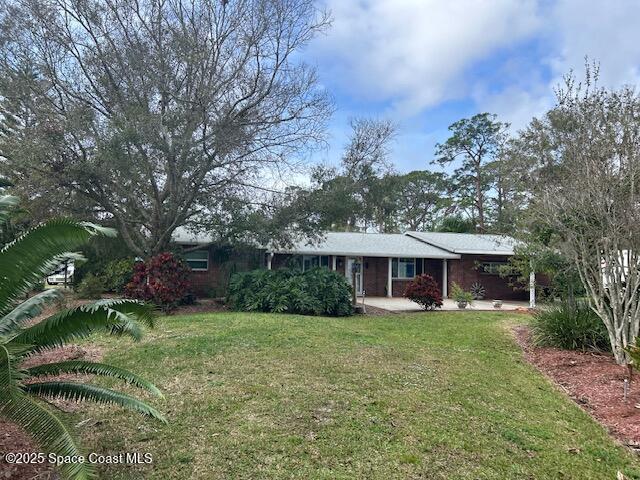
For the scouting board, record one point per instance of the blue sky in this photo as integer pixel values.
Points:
(427, 63)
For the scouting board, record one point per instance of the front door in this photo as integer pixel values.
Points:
(356, 263)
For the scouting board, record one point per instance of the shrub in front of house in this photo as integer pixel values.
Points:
(315, 292)
(425, 292)
(569, 325)
(162, 280)
(90, 287)
(117, 274)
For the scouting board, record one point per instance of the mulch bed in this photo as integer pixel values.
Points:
(594, 381)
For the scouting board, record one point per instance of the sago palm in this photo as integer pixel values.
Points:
(24, 392)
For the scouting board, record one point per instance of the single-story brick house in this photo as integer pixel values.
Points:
(385, 263)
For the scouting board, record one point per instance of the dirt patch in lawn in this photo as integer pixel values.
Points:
(203, 305)
(15, 439)
(594, 381)
(377, 311)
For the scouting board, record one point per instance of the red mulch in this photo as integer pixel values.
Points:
(594, 381)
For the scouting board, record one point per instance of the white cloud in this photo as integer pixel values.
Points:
(414, 52)
(606, 31)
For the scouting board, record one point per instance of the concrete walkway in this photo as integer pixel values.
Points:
(404, 305)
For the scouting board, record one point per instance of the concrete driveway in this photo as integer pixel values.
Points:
(404, 305)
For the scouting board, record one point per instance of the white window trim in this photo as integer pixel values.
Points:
(398, 262)
(199, 260)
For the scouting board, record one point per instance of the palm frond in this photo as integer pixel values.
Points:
(30, 257)
(48, 431)
(27, 310)
(7, 375)
(45, 428)
(115, 316)
(7, 202)
(141, 311)
(93, 368)
(79, 392)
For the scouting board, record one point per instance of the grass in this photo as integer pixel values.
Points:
(435, 395)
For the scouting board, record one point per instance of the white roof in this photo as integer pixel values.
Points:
(370, 245)
(468, 243)
(409, 244)
(185, 236)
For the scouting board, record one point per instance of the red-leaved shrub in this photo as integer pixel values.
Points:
(162, 280)
(424, 291)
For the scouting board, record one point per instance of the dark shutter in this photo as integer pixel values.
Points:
(418, 266)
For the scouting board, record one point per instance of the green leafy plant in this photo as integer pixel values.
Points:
(24, 392)
(460, 295)
(570, 325)
(117, 274)
(90, 287)
(634, 353)
(315, 292)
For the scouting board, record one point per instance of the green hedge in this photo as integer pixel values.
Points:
(315, 292)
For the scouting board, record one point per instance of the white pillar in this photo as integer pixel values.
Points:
(445, 279)
(333, 265)
(532, 289)
(269, 258)
(389, 281)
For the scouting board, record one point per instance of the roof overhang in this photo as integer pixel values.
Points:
(448, 256)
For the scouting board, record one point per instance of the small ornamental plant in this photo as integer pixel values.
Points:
(461, 296)
(162, 280)
(424, 291)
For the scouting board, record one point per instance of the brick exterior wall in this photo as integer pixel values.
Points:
(433, 267)
(213, 281)
(375, 276)
(465, 273)
(206, 284)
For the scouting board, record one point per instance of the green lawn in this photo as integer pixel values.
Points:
(440, 395)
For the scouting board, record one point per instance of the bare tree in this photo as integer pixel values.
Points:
(352, 197)
(586, 159)
(152, 111)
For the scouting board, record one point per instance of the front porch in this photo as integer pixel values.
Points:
(399, 304)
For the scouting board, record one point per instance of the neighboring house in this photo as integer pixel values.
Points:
(384, 263)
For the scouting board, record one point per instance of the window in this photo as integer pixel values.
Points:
(312, 261)
(197, 259)
(491, 268)
(403, 267)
